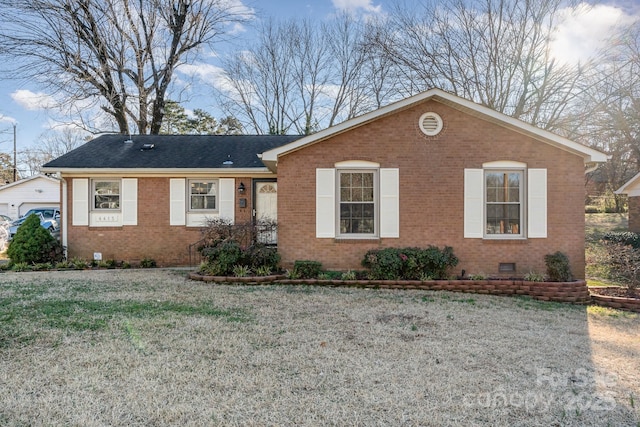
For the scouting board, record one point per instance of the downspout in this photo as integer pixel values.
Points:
(63, 217)
(591, 168)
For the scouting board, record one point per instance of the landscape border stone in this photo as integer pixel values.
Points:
(575, 292)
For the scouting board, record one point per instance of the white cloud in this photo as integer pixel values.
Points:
(7, 119)
(586, 29)
(354, 5)
(33, 101)
(237, 29)
(238, 8)
(207, 73)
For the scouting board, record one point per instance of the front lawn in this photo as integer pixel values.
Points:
(147, 347)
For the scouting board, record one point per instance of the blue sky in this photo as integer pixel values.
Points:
(27, 103)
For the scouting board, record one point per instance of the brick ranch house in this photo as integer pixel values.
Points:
(433, 169)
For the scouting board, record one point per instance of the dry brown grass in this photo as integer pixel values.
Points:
(144, 347)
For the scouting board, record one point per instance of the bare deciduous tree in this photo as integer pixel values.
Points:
(302, 77)
(494, 52)
(121, 54)
(51, 145)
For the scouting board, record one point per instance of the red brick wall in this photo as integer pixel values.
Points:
(153, 237)
(431, 191)
(634, 214)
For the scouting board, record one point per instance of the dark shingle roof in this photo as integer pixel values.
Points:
(171, 152)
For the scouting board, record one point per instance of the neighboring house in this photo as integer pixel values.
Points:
(36, 191)
(632, 189)
(433, 169)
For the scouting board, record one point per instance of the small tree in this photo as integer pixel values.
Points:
(33, 244)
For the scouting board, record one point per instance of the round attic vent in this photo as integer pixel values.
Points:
(430, 124)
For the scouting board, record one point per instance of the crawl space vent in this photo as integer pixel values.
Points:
(430, 124)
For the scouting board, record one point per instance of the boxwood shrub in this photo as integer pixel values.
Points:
(410, 263)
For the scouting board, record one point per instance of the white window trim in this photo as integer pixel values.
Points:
(535, 202)
(376, 203)
(523, 203)
(93, 195)
(216, 182)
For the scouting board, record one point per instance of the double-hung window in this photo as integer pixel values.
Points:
(504, 202)
(203, 195)
(357, 202)
(106, 194)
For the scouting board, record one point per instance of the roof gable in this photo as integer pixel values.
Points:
(270, 157)
(631, 188)
(29, 179)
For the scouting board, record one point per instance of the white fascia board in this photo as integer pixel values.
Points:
(153, 171)
(31, 178)
(589, 155)
(628, 187)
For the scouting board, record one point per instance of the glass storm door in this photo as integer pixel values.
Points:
(266, 212)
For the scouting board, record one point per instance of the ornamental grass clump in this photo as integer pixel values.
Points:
(410, 263)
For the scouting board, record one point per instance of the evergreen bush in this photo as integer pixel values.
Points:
(410, 263)
(304, 269)
(558, 268)
(33, 244)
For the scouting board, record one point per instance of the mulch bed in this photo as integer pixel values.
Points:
(615, 291)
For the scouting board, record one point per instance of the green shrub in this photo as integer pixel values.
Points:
(558, 268)
(260, 255)
(626, 238)
(222, 257)
(305, 269)
(410, 263)
(148, 263)
(33, 244)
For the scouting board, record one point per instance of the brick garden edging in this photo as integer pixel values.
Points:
(573, 292)
(631, 304)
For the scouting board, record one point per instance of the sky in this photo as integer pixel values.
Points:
(30, 108)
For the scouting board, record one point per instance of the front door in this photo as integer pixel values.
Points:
(266, 213)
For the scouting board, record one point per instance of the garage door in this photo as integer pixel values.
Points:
(4, 208)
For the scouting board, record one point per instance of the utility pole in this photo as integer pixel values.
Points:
(15, 170)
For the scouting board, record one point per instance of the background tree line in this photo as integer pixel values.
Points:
(300, 76)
